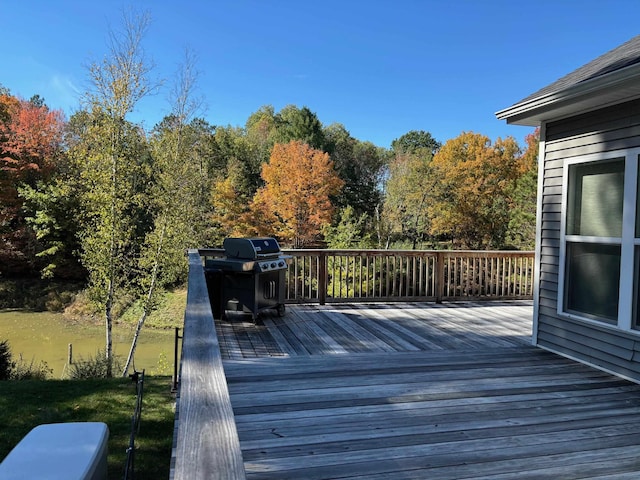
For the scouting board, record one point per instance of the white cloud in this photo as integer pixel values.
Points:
(64, 92)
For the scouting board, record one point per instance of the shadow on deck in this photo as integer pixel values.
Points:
(420, 391)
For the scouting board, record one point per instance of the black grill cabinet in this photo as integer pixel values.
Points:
(250, 277)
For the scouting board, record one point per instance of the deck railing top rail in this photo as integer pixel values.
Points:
(384, 252)
(206, 444)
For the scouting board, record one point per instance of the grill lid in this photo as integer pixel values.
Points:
(251, 248)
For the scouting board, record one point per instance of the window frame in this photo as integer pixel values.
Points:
(627, 241)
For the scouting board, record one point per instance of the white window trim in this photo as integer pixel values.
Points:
(627, 241)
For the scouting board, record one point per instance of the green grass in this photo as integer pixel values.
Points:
(169, 314)
(26, 404)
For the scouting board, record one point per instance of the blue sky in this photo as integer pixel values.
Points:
(379, 67)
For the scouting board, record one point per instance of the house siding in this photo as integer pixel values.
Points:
(605, 347)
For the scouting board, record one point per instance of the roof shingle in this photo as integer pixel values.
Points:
(620, 57)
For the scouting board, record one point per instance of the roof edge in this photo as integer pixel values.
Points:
(523, 110)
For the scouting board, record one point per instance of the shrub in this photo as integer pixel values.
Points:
(93, 367)
(31, 371)
(21, 370)
(6, 364)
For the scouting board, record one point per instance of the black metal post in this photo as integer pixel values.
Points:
(174, 383)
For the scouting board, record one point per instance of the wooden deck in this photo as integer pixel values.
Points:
(421, 391)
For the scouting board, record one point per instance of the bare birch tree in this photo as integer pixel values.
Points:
(108, 157)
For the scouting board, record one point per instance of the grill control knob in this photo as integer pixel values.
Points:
(281, 264)
(273, 265)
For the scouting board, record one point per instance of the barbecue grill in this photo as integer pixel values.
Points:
(250, 276)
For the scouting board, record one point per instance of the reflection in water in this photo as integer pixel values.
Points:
(46, 336)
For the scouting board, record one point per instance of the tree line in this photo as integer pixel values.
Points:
(283, 174)
(98, 197)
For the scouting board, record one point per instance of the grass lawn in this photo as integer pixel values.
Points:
(26, 404)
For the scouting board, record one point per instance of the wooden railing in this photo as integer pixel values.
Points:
(206, 444)
(330, 276)
(407, 275)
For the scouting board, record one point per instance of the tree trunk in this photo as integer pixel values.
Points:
(147, 303)
(134, 343)
(109, 326)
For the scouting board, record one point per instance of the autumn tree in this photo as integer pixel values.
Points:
(239, 158)
(295, 202)
(231, 204)
(472, 180)
(30, 148)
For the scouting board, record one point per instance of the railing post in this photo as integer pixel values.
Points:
(439, 280)
(174, 380)
(322, 277)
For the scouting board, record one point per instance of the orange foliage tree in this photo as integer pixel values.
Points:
(231, 215)
(473, 179)
(30, 140)
(295, 202)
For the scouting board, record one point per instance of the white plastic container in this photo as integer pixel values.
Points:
(59, 451)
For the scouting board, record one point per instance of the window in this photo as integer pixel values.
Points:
(594, 230)
(586, 262)
(600, 239)
(595, 199)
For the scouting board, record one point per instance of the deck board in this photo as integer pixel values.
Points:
(420, 391)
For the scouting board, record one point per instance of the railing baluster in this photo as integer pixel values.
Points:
(295, 277)
(414, 280)
(420, 276)
(352, 260)
(362, 260)
(504, 276)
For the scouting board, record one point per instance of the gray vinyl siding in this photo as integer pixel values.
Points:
(608, 129)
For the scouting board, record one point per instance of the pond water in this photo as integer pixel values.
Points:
(46, 336)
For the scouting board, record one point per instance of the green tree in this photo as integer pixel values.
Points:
(521, 231)
(233, 146)
(407, 197)
(175, 200)
(261, 127)
(359, 165)
(293, 123)
(350, 232)
(52, 211)
(111, 160)
(416, 141)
